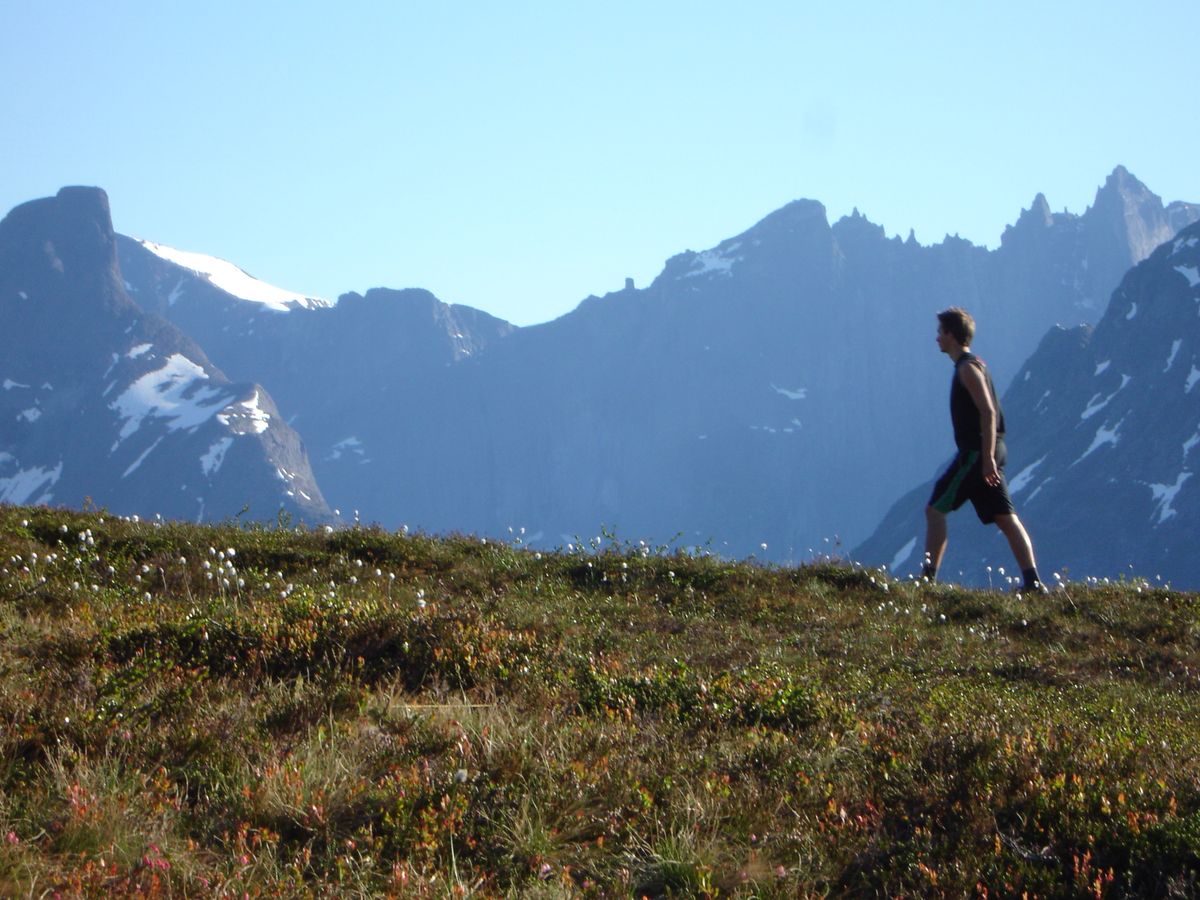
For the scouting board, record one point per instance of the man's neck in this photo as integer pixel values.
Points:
(956, 353)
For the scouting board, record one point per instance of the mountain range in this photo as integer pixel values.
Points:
(779, 389)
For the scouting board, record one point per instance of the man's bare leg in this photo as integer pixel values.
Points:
(935, 541)
(1021, 546)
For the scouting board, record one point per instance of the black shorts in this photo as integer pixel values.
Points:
(963, 481)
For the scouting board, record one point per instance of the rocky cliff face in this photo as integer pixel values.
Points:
(1105, 426)
(102, 400)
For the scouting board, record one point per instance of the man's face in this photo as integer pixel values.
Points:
(944, 339)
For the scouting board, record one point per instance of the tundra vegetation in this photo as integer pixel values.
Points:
(276, 711)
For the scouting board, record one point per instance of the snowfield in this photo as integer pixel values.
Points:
(232, 280)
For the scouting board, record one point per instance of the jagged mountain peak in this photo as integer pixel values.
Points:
(857, 223)
(1122, 193)
(1122, 181)
(802, 213)
(66, 241)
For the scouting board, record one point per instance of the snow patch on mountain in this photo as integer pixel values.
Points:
(715, 262)
(21, 488)
(175, 392)
(902, 555)
(211, 461)
(1103, 436)
(1190, 443)
(1174, 350)
(1024, 477)
(1191, 273)
(1096, 404)
(137, 462)
(797, 394)
(232, 280)
(348, 445)
(248, 415)
(1164, 496)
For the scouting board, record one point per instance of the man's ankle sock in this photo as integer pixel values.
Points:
(1031, 578)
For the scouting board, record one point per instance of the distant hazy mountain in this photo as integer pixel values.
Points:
(102, 400)
(1105, 427)
(775, 389)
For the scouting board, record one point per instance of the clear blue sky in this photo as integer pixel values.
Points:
(519, 156)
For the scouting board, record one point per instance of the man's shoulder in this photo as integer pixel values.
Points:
(970, 360)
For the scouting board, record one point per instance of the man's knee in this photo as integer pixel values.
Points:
(1008, 522)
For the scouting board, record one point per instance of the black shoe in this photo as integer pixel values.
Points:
(1036, 588)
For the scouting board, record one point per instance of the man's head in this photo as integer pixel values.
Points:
(958, 324)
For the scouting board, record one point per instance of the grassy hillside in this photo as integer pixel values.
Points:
(197, 711)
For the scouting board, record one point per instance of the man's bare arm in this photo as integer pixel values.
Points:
(974, 381)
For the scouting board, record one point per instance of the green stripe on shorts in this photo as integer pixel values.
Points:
(945, 503)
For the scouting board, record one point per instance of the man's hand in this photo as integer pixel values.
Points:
(991, 474)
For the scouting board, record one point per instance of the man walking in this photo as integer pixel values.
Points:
(977, 472)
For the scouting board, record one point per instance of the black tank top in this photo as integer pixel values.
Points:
(964, 414)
